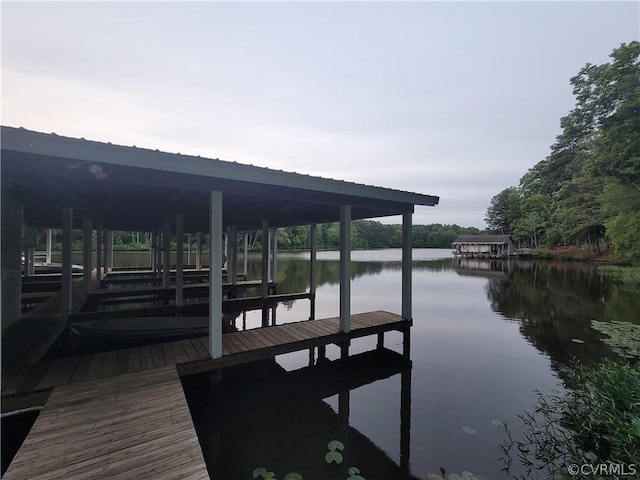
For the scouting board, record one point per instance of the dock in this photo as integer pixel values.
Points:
(192, 355)
(135, 425)
(123, 413)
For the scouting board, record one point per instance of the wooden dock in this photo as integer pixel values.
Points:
(192, 355)
(136, 425)
(123, 414)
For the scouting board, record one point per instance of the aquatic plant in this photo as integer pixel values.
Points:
(624, 337)
(597, 422)
(262, 472)
(334, 455)
(354, 474)
(466, 475)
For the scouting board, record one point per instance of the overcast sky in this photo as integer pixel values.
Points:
(455, 99)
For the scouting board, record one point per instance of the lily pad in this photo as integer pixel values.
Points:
(496, 423)
(293, 476)
(469, 430)
(332, 456)
(577, 340)
(259, 472)
(624, 337)
(433, 476)
(335, 445)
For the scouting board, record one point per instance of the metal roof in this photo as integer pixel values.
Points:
(135, 188)
(483, 239)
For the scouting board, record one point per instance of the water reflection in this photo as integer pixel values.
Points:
(486, 335)
(263, 416)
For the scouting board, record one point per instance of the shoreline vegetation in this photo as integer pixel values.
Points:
(587, 190)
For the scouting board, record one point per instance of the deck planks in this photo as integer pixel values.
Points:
(133, 425)
(237, 347)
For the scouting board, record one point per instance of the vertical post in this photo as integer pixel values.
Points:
(48, 246)
(215, 276)
(406, 266)
(245, 255)
(108, 251)
(269, 277)
(198, 251)
(98, 252)
(179, 259)
(166, 264)
(313, 281)
(11, 218)
(225, 263)
(274, 254)
(87, 252)
(265, 259)
(232, 266)
(345, 268)
(264, 290)
(189, 249)
(152, 252)
(67, 225)
(29, 251)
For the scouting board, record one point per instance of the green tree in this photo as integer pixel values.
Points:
(504, 210)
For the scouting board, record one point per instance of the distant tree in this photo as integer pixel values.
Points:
(504, 210)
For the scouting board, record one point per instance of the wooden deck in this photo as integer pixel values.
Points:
(136, 425)
(191, 356)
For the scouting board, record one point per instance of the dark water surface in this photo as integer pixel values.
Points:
(486, 336)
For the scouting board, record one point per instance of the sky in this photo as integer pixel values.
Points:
(455, 99)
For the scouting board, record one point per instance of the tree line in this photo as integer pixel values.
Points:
(587, 191)
(365, 234)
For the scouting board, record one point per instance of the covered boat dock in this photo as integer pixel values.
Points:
(51, 181)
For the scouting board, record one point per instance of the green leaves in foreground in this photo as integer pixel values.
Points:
(597, 422)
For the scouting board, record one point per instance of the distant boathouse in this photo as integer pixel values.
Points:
(490, 246)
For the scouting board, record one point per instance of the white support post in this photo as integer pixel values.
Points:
(269, 263)
(232, 264)
(99, 252)
(48, 246)
(274, 253)
(265, 259)
(245, 255)
(225, 263)
(345, 268)
(29, 251)
(198, 251)
(67, 225)
(166, 264)
(108, 251)
(188, 249)
(313, 281)
(152, 252)
(179, 259)
(215, 276)
(87, 252)
(406, 266)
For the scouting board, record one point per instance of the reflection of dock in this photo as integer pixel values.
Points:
(272, 413)
(483, 267)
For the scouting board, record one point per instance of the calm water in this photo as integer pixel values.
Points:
(486, 336)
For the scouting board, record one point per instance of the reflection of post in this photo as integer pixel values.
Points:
(312, 356)
(166, 264)
(343, 414)
(405, 419)
(87, 227)
(179, 259)
(198, 251)
(66, 280)
(406, 342)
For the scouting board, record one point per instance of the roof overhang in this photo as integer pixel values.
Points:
(131, 188)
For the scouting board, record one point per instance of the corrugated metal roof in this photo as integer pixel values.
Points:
(501, 239)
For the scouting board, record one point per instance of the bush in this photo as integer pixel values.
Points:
(597, 422)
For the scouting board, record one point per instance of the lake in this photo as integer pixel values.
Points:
(487, 334)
